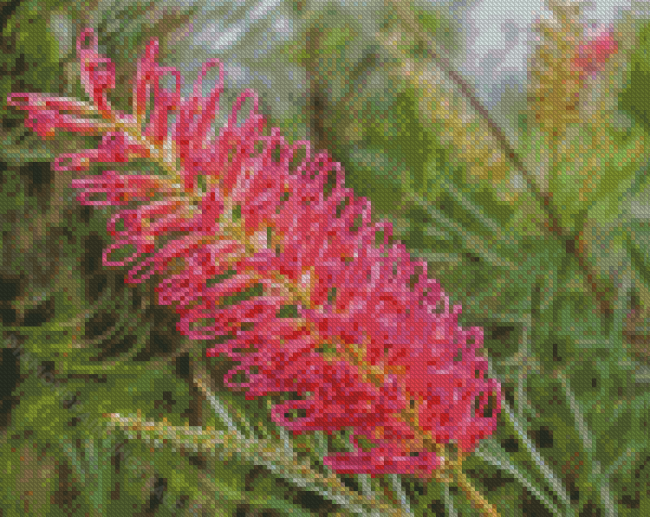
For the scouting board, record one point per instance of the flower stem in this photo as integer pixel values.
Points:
(483, 506)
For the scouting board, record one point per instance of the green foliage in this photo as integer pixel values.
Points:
(31, 62)
(634, 98)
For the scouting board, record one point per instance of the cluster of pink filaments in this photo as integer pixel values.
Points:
(372, 344)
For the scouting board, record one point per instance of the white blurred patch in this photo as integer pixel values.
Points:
(498, 38)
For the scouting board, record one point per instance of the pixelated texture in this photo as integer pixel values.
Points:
(109, 403)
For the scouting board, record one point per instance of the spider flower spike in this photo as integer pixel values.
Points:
(561, 64)
(280, 268)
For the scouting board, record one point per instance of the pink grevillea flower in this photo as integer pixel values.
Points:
(281, 269)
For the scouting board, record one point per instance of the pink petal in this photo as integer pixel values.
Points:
(164, 103)
(592, 56)
(145, 75)
(383, 460)
(114, 148)
(97, 72)
(45, 121)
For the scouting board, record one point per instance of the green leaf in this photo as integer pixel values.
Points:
(259, 452)
(597, 179)
(634, 99)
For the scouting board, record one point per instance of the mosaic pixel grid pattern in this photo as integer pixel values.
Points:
(296, 258)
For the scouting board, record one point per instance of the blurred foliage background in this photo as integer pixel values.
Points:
(77, 344)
